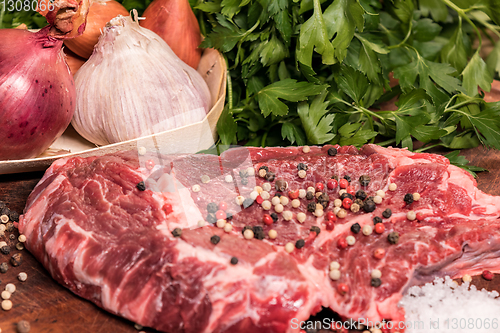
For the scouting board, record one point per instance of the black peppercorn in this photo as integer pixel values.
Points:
(346, 177)
(257, 228)
(260, 235)
(264, 167)
(280, 185)
(387, 213)
(247, 202)
(311, 207)
(356, 228)
(212, 207)
(234, 261)
(376, 282)
(323, 197)
(12, 236)
(14, 216)
(377, 219)
(211, 218)
(335, 177)
(408, 198)
(277, 194)
(16, 259)
(300, 243)
(360, 194)
(5, 249)
(9, 227)
(4, 267)
(215, 239)
(177, 232)
(364, 180)
(315, 229)
(141, 186)
(229, 216)
(309, 195)
(270, 176)
(302, 166)
(274, 216)
(243, 173)
(2, 205)
(346, 195)
(393, 237)
(359, 202)
(332, 151)
(244, 181)
(369, 206)
(5, 211)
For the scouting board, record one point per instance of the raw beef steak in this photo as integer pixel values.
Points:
(184, 243)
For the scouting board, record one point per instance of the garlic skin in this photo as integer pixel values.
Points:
(134, 85)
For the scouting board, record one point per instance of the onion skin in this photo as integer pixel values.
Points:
(101, 12)
(175, 22)
(37, 93)
(74, 62)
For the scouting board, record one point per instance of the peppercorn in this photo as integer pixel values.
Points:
(361, 195)
(376, 282)
(215, 239)
(5, 249)
(247, 227)
(377, 219)
(19, 246)
(270, 176)
(177, 232)
(300, 243)
(342, 288)
(487, 275)
(4, 267)
(359, 202)
(264, 168)
(311, 207)
(379, 253)
(331, 184)
(387, 213)
(332, 151)
(2, 205)
(212, 207)
(302, 166)
(364, 180)
(393, 237)
(211, 218)
(260, 235)
(379, 228)
(274, 216)
(244, 181)
(16, 259)
(141, 186)
(356, 228)
(369, 206)
(315, 229)
(220, 215)
(247, 202)
(5, 211)
(320, 187)
(323, 197)
(234, 261)
(14, 216)
(346, 195)
(335, 177)
(346, 203)
(257, 228)
(10, 227)
(343, 183)
(342, 243)
(229, 215)
(280, 185)
(243, 173)
(309, 195)
(23, 326)
(408, 198)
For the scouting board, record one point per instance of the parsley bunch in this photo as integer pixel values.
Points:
(318, 71)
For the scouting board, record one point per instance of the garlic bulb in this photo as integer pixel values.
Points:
(134, 85)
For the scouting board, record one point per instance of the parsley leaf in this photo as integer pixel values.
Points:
(316, 121)
(293, 133)
(462, 162)
(226, 127)
(475, 74)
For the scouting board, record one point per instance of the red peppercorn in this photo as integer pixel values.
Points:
(320, 187)
(342, 288)
(259, 200)
(331, 184)
(351, 190)
(150, 164)
(420, 216)
(379, 228)
(330, 216)
(167, 208)
(223, 206)
(342, 243)
(379, 253)
(267, 219)
(329, 225)
(293, 194)
(220, 215)
(487, 275)
(343, 183)
(346, 203)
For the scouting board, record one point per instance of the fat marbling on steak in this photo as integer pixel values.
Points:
(110, 241)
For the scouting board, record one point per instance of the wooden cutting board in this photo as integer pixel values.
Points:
(49, 307)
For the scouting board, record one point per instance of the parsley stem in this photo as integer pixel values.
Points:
(388, 142)
(410, 26)
(428, 147)
(462, 13)
(263, 141)
(229, 87)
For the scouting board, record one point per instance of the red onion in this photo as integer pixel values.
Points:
(37, 92)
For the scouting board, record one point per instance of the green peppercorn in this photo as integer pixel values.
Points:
(387, 213)
(215, 239)
(300, 243)
(141, 186)
(332, 151)
(393, 237)
(234, 261)
(177, 232)
(376, 282)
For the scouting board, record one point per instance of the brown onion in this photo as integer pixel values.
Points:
(74, 61)
(101, 12)
(174, 21)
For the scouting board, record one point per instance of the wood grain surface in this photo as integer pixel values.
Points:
(50, 307)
